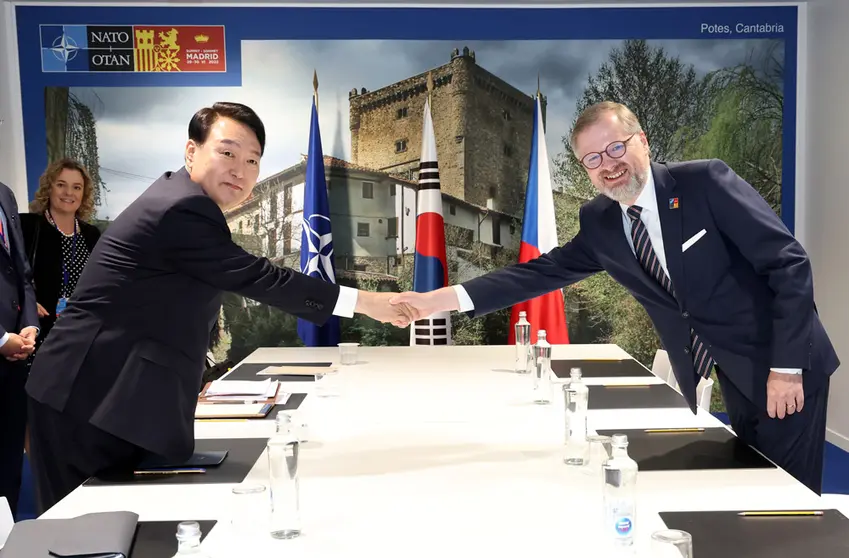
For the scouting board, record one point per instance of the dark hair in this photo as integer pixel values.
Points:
(203, 120)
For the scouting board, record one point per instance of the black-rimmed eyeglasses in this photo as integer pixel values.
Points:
(614, 150)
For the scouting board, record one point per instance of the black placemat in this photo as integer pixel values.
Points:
(714, 448)
(248, 371)
(600, 368)
(724, 534)
(653, 396)
(295, 400)
(158, 539)
(242, 456)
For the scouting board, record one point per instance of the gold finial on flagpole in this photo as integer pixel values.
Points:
(315, 88)
(538, 90)
(429, 86)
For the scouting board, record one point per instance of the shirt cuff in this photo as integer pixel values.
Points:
(787, 370)
(4, 339)
(346, 302)
(466, 304)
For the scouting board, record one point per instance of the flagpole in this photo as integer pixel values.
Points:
(315, 88)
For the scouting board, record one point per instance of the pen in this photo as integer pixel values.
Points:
(780, 513)
(626, 385)
(674, 430)
(168, 471)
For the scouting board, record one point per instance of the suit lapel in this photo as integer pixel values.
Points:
(669, 211)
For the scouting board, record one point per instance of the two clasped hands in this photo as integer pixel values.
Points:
(19, 346)
(402, 309)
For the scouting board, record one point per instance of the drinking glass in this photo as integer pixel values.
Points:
(250, 510)
(671, 543)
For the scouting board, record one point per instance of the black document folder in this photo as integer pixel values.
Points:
(652, 396)
(714, 448)
(600, 368)
(242, 454)
(725, 534)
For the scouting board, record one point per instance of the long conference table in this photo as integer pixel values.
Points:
(432, 451)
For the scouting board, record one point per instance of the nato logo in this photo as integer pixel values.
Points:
(63, 48)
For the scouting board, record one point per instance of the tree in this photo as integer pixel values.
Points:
(672, 104)
(746, 128)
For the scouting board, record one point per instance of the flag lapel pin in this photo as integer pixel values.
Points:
(673, 203)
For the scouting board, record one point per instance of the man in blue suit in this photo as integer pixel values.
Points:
(726, 285)
(18, 330)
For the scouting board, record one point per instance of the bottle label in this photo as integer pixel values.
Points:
(620, 514)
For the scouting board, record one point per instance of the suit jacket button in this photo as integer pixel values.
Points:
(686, 350)
(319, 306)
(685, 315)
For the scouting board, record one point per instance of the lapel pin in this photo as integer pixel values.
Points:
(673, 203)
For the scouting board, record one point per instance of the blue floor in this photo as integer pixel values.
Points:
(835, 476)
(835, 469)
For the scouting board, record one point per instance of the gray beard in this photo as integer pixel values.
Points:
(628, 192)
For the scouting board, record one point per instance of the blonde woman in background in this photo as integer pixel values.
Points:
(58, 237)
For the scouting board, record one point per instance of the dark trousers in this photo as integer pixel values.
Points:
(795, 443)
(13, 424)
(65, 452)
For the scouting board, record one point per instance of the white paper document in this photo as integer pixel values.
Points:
(261, 389)
(225, 410)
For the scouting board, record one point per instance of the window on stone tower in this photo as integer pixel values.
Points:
(400, 146)
(401, 113)
(505, 114)
(508, 150)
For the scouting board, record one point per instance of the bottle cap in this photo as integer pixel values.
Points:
(620, 440)
(541, 334)
(188, 530)
(523, 314)
(575, 372)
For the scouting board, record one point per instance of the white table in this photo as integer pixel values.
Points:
(440, 451)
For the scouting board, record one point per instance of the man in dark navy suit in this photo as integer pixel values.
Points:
(723, 280)
(18, 330)
(117, 380)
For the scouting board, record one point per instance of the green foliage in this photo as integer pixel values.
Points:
(251, 325)
(746, 128)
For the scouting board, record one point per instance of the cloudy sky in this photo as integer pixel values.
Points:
(142, 131)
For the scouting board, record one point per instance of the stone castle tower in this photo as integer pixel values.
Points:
(483, 128)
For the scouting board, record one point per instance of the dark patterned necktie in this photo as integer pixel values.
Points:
(702, 361)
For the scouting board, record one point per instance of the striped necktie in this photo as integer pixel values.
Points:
(702, 361)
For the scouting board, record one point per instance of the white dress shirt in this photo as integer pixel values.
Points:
(650, 217)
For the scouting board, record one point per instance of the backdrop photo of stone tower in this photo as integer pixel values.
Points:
(483, 128)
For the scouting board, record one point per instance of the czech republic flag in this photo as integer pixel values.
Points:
(539, 235)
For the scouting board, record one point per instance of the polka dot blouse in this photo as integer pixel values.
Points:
(74, 260)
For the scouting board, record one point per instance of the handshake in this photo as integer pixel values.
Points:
(402, 309)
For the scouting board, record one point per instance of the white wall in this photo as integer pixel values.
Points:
(827, 201)
(12, 167)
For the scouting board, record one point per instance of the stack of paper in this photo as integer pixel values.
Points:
(241, 390)
(236, 410)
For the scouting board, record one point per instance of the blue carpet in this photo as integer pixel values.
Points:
(835, 476)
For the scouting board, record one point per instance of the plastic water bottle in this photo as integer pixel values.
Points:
(576, 396)
(542, 369)
(188, 540)
(620, 497)
(283, 455)
(523, 344)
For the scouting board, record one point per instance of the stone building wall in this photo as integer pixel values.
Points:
(482, 124)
